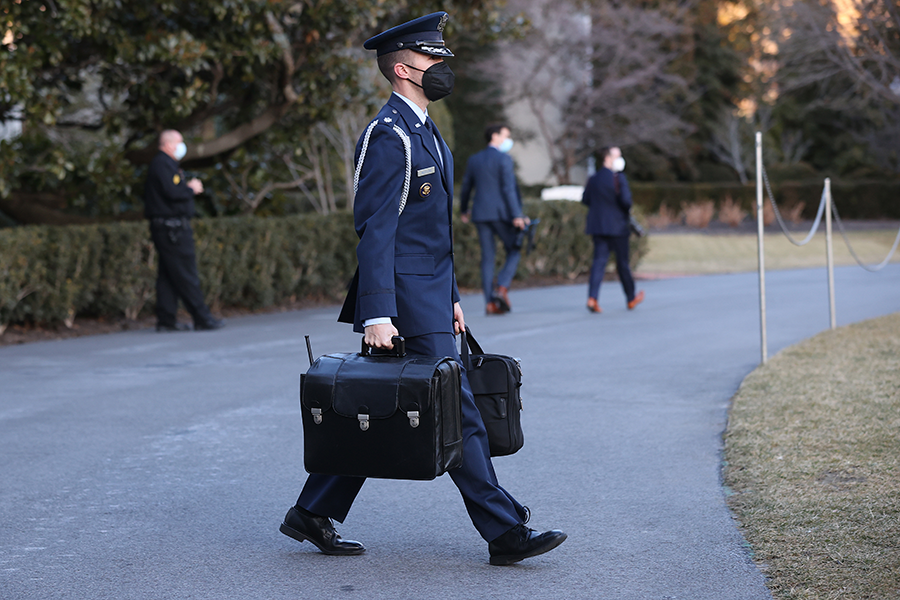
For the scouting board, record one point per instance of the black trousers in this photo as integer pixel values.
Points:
(177, 275)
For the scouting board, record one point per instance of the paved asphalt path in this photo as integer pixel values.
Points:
(145, 465)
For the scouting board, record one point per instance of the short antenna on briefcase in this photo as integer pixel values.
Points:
(309, 350)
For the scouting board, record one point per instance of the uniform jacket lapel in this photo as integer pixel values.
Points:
(412, 120)
(447, 165)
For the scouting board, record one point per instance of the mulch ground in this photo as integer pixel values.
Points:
(27, 333)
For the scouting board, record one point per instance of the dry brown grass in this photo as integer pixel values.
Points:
(813, 460)
(768, 213)
(698, 214)
(794, 214)
(701, 253)
(731, 213)
(663, 218)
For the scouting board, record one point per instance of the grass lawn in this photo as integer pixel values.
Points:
(812, 455)
(700, 253)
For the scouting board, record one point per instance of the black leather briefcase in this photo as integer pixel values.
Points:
(390, 416)
(496, 383)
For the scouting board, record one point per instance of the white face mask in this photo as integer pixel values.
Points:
(180, 151)
(506, 145)
(618, 164)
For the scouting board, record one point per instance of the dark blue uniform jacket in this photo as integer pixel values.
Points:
(492, 174)
(607, 210)
(405, 259)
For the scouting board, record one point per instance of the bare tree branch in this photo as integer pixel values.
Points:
(592, 74)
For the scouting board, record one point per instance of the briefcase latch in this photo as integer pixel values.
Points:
(317, 415)
(363, 421)
(413, 418)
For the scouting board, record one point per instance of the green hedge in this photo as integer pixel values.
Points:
(50, 275)
(854, 199)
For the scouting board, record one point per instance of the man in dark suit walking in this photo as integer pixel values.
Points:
(496, 212)
(609, 205)
(405, 285)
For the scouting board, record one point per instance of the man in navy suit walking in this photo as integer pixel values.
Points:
(609, 206)
(405, 285)
(496, 212)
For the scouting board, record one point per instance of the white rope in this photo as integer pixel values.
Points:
(781, 222)
(871, 269)
(407, 150)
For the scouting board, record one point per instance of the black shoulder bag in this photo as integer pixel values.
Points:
(496, 381)
(633, 224)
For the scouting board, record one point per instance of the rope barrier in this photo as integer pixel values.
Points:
(812, 232)
(781, 222)
(869, 268)
(831, 208)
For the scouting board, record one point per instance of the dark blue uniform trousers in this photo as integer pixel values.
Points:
(602, 245)
(507, 234)
(492, 509)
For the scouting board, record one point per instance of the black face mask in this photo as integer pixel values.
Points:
(437, 80)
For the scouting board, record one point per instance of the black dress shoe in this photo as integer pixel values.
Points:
(175, 327)
(521, 542)
(209, 325)
(319, 531)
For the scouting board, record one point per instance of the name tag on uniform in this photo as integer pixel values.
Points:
(423, 172)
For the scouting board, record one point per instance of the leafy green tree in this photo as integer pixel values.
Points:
(247, 81)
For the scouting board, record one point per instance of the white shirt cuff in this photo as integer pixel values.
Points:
(377, 321)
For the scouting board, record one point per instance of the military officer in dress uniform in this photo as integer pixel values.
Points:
(169, 206)
(405, 285)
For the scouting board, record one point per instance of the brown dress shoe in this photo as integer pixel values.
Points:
(637, 300)
(593, 306)
(503, 298)
(491, 308)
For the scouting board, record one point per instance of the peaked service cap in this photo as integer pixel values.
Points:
(422, 35)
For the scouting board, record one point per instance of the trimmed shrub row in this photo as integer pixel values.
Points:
(854, 199)
(52, 274)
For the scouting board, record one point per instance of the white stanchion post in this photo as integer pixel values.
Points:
(759, 243)
(829, 250)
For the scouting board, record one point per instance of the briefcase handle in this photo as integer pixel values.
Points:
(468, 342)
(399, 349)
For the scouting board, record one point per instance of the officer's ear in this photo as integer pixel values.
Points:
(401, 71)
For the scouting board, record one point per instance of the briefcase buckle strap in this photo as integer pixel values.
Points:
(412, 415)
(317, 415)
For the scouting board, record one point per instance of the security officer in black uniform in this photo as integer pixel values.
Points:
(169, 206)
